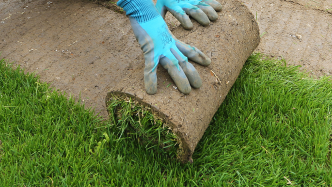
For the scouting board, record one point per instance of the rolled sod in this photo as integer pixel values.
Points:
(229, 41)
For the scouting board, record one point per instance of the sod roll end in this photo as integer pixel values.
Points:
(229, 41)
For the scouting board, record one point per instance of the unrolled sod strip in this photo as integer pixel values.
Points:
(229, 41)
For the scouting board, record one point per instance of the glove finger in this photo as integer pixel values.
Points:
(150, 81)
(189, 70)
(214, 4)
(193, 53)
(150, 73)
(177, 74)
(151, 60)
(209, 11)
(197, 14)
(183, 18)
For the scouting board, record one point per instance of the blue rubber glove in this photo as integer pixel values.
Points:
(201, 10)
(159, 45)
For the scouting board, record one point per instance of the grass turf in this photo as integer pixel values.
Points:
(138, 122)
(273, 128)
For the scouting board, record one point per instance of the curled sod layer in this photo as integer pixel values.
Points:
(132, 119)
(229, 41)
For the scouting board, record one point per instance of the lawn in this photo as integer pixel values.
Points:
(273, 129)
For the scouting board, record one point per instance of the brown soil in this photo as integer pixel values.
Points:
(111, 4)
(61, 39)
(79, 47)
(298, 30)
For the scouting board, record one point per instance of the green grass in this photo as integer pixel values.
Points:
(138, 122)
(274, 126)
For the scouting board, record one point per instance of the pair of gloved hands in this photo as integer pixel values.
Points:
(160, 46)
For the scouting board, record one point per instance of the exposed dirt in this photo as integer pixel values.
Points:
(111, 4)
(323, 5)
(60, 40)
(298, 30)
(77, 46)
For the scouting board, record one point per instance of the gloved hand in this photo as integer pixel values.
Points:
(201, 10)
(159, 45)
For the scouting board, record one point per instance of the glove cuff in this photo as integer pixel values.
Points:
(141, 10)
